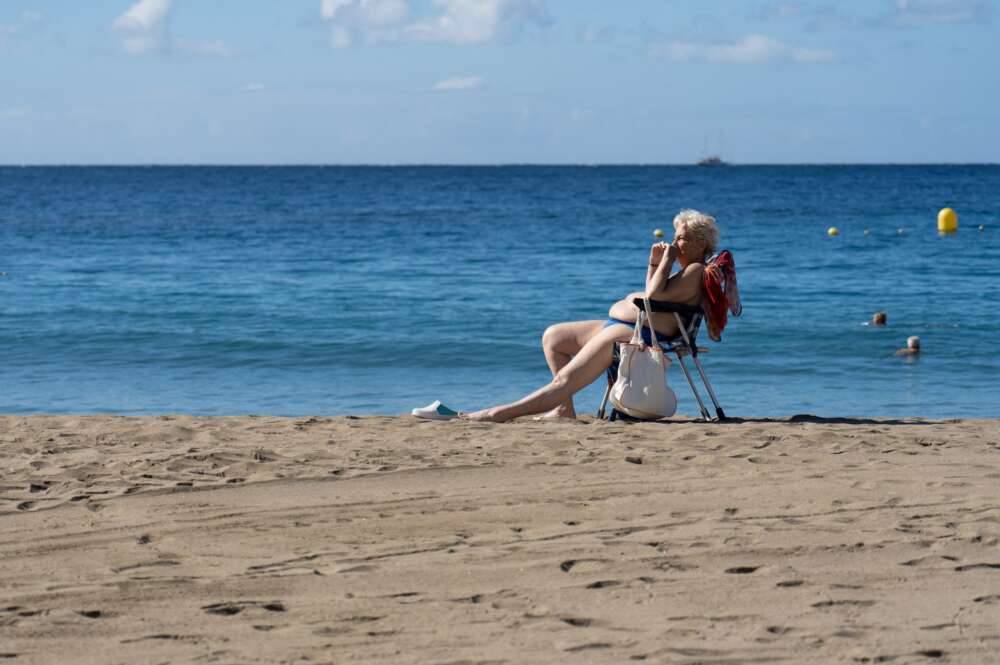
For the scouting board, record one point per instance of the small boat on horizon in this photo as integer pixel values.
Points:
(712, 160)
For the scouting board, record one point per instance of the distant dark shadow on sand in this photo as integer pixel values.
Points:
(798, 418)
(809, 418)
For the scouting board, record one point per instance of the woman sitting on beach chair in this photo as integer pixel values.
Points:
(580, 351)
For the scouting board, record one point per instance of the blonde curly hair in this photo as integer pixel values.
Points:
(701, 227)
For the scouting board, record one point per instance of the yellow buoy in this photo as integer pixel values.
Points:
(658, 233)
(947, 221)
(833, 231)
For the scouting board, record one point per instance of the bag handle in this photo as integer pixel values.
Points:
(649, 320)
(640, 320)
(637, 330)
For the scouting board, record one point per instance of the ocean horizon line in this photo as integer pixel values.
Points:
(390, 165)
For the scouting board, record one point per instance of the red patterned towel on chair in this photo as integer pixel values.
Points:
(720, 293)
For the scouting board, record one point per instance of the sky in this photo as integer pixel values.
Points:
(498, 81)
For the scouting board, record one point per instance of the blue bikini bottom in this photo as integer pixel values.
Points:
(646, 336)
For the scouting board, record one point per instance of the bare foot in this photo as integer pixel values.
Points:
(557, 413)
(484, 416)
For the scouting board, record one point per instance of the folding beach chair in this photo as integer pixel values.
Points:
(689, 318)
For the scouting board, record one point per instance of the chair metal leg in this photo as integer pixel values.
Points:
(687, 375)
(697, 363)
(711, 393)
(612, 374)
(604, 402)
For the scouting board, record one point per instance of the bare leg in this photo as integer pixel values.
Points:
(592, 360)
(560, 343)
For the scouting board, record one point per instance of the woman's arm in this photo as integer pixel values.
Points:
(683, 287)
(661, 260)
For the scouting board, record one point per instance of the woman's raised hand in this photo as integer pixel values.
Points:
(656, 252)
(661, 250)
(672, 252)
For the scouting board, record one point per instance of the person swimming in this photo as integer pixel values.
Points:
(879, 318)
(912, 347)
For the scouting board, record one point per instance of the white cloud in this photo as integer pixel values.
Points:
(143, 26)
(752, 49)
(781, 10)
(476, 21)
(25, 18)
(330, 8)
(455, 21)
(143, 29)
(144, 16)
(592, 34)
(373, 20)
(919, 12)
(213, 49)
(340, 37)
(384, 12)
(459, 83)
(891, 14)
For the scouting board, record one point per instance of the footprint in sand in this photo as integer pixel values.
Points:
(324, 631)
(362, 619)
(928, 560)
(475, 599)
(285, 564)
(843, 603)
(587, 565)
(991, 599)
(163, 636)
(146, 564)
(977, 566)
(235, 607)
(589, 645)
(931, 653)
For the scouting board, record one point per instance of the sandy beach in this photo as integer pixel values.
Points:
(391, 540)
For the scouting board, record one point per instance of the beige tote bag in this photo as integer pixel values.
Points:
(641, 389)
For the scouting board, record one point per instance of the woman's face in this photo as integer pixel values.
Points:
(691, 250)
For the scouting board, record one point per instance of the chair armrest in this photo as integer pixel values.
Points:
(666, 306)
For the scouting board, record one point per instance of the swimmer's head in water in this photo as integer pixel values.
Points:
(913, 343)
(879, 319)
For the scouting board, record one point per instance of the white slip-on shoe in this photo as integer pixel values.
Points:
(435, 411)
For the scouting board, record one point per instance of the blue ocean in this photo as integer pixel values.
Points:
(373, 290)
